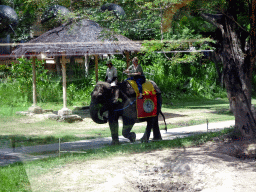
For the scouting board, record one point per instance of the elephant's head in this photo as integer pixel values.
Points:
(100, 102)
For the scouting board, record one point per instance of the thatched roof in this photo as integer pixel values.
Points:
(82, 38)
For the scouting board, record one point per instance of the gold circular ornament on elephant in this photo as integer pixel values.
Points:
(148, 105)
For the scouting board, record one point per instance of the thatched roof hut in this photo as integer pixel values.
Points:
(80, 38)
(85, 37)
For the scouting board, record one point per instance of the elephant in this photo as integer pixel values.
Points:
(102, 100)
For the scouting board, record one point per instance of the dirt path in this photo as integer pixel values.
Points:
(204, 168)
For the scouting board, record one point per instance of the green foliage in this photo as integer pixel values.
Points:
(4, 68)
(180, 74)
(21, 74)
(177, 45)
(4, 71)
(16, 89)
(138, 23)
(10, 96)
(208, 6)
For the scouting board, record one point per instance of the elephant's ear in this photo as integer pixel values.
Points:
(128, 90)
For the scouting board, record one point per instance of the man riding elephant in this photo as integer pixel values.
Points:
(111, 78)
(127, 108)
(136, 73)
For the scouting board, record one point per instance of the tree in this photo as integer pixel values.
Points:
(238, 57)
(235, 21)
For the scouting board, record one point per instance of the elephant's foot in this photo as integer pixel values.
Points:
(114, 142)
(144, 139)
(157, 139)
(132, 137)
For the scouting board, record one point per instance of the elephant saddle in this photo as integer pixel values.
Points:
(147, 106)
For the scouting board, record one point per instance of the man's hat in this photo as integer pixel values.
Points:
(109, 62)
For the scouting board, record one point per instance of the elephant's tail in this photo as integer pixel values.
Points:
(164, 120)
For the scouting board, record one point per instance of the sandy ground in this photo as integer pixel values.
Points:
(214, 166)
(210, 167)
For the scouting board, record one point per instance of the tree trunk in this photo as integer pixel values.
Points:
(237, 79)
(237, 72)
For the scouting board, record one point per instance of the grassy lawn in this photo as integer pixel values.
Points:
(197, 111)
(32, 131)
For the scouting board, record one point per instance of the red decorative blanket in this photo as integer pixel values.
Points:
(146, 107)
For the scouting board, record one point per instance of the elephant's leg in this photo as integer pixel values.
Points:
(113, 124)
(152, 123)
(127, 127)
(146, 135)
(156, 131)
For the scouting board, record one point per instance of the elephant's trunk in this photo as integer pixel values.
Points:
(96, 111)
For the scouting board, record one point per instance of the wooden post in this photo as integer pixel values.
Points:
(64, 111)
(96, 67)
(86, 65)
(34, 108)
(34, 80)
(64, 81)
(127, 59)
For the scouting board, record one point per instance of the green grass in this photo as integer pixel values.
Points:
(14, 178)
(29, 131)
(7, 112)
(199, 110)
